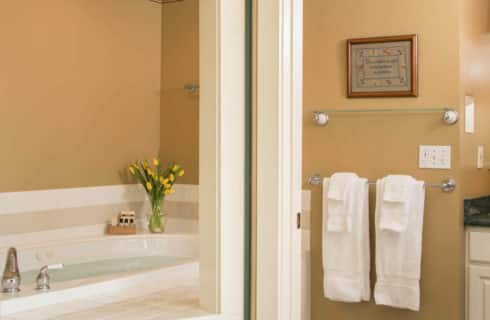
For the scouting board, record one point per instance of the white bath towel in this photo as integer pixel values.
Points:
(399, 254)
(341, 188)
(397, 193)
(346, 256)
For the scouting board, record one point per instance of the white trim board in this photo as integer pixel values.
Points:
(42, 200)
(279, 156)
(221, 156)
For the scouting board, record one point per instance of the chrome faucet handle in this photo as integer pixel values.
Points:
(11, 275)
(42, 279)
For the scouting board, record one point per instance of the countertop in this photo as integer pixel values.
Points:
(477, 212)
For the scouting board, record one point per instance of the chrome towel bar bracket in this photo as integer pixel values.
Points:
(448, 185)
(449, 116)
(191, 88)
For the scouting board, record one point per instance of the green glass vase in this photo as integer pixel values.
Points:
(157, 220)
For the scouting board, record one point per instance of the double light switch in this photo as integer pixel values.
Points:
(435, 157)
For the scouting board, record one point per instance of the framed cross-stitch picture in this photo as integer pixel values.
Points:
(382, 67)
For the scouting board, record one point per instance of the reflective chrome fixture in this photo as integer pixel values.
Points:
(191, 88)
(323, 117)
(43, 278)
(11, 274)
(165, 1)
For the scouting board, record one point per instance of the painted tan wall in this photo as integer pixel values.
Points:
(377, 145)
(475, 66)
(79, 91)
(180, 66)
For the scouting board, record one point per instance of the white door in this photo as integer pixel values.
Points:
(479, 293)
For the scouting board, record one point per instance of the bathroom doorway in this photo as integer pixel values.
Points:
(88, 88)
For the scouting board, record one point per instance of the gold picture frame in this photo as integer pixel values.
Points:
(382, 67)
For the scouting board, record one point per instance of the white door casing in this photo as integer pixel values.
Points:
(279, 125)
(299, 307)
(222, 156)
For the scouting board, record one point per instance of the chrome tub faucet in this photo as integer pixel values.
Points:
(11, 275)
(43, 278)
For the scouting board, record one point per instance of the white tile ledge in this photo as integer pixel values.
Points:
(85, 234)
(42, 200)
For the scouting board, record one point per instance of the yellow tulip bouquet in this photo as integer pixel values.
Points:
(158, 183)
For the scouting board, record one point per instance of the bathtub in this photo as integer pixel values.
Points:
(101, 265)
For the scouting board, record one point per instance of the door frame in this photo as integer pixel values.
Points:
(222, 157)
(279, 159)
(223, 162)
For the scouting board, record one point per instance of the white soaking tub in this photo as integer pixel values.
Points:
(132, 265)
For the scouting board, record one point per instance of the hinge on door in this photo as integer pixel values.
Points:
(298, 220)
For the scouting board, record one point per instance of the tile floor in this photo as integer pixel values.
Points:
(176, 303)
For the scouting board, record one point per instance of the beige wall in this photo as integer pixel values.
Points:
(377, 145)
(475, 66)
(179, 113)
(79, 91)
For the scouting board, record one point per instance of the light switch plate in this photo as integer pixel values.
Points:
(469, 115)
(435, 157)
(480, 162)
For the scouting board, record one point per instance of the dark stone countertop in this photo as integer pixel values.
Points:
(477, 212)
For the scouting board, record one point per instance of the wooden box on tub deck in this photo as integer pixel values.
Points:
(120, 230)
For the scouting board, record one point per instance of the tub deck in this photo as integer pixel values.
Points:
(175, 303)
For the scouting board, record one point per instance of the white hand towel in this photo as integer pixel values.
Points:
(399, 254)
(346, 255)
(397, 192)
(340, 189)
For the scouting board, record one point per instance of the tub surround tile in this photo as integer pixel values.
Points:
(174, 226)
(62, 199)
(46, 220)
(477, 212)
(65, 234)
(77, 219)
(49, 210)
(181, 210)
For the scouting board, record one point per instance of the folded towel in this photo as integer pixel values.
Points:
(399, 254)
(340, 189)
(346, 255)
(396, 195)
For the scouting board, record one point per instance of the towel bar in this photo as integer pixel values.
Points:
(449, 116)
(448, 185)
